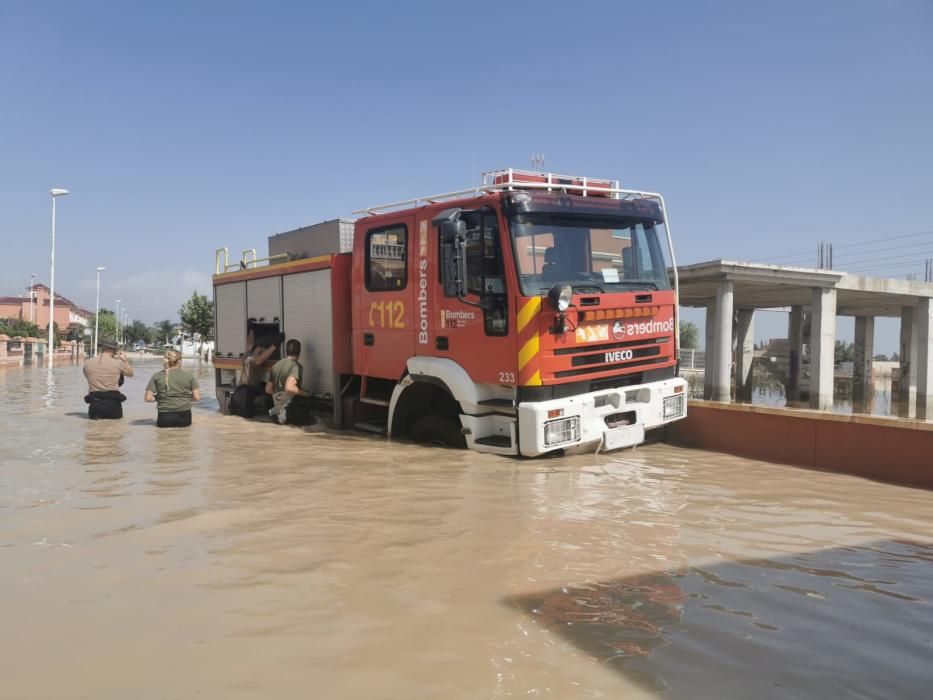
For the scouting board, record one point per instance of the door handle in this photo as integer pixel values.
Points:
(369, 339)
(442, 342)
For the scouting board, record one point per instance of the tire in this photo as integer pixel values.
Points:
(436, 430)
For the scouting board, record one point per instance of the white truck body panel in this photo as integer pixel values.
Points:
(230, 319)
(308, 319)
(264, 299)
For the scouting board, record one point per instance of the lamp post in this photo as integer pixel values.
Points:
(32, 298)
(56, 193)
(126, 318)
(116, 317)
(97, 311)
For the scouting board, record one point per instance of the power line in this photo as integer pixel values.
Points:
(885, 266)
(885, 248)
(899, 256)
(880, 244)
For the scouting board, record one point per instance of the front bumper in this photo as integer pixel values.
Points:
(582, 425)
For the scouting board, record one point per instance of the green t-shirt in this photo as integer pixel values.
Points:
(282, 370)
(173, 389)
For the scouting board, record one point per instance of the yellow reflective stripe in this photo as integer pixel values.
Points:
(535, 379)
(528, 352)
(528, 312)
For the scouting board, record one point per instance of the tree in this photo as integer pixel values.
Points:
(689, 335)
(106, 325)
(197, 317)
(881, 357)
(18, 327)
(845, 352)
(162, 331)
(135, 332)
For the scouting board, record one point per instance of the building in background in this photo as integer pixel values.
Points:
(36, 310)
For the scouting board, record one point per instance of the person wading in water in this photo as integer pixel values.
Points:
(251, 387)
(173, 389)
(104, 375)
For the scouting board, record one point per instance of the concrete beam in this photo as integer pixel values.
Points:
(862, 383)
(744, 353)
(709, 371)
(822, 348)
(795, 352)
(722, 381)
(923, 328)
(907, 382)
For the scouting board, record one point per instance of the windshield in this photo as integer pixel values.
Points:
(591, 255)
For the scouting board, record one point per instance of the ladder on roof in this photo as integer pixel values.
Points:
(512, 179)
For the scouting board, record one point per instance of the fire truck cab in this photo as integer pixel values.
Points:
(531, 314)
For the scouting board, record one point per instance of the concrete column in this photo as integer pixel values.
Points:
(795, 352)
(744, 353)
(923, 329)
(822, 348)
(862, 382)
(907, 382)
(709, 368)
(722, 381)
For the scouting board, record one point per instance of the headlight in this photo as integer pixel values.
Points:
(564, 430)
(559, 295)
(673, 406)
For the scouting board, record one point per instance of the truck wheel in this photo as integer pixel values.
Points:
(436, 430)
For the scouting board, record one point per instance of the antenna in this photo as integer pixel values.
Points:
(537, 161)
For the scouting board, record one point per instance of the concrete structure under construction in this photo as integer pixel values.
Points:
(731, 291)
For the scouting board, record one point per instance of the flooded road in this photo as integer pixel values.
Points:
(250, 560)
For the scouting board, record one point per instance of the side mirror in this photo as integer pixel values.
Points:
(453, 252)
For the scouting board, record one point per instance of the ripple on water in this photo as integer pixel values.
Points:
(267, 560)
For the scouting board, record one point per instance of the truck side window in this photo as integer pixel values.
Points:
(387, 258)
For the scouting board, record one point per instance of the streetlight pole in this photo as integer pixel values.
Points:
(32, 298)
(49, 349)
(97, 311)
(126, 318)
(116, 317)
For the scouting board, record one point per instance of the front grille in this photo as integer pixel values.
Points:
(600, 358)
(610, 368)
(580, 349)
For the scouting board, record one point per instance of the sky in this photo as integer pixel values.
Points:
(183, 127)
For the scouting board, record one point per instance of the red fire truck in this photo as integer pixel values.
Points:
(531, 314)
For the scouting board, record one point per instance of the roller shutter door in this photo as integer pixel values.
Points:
(308, 320)
(230, 300)
(264, 299)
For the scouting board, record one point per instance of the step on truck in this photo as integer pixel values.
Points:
(533, 313)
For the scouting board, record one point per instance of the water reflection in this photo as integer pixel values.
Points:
(103, 440)
(853, 619)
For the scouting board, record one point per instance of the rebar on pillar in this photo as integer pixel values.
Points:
(744, 353)
(862, 381)
(822, 348)
(722, 380)
(923, 329)
(794, 352)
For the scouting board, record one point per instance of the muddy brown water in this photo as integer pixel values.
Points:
(239, 559)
